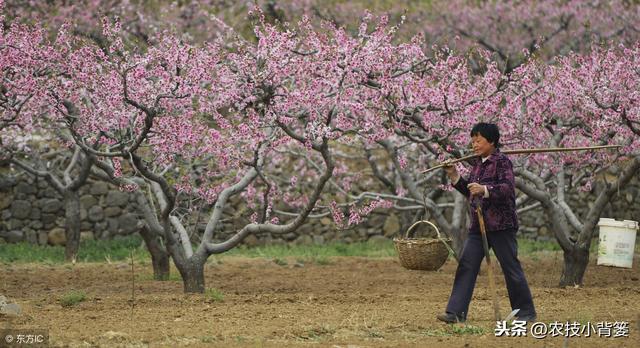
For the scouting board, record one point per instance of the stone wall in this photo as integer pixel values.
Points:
(625, 205)
(32, 211)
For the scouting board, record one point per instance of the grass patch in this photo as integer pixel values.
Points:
(280, 261)
(119, 249)
(316, 333)
(72, 298)
(528, 246)
(214, 295)
(173, 276)
(318, 253)
(456, 330)
(318, 260)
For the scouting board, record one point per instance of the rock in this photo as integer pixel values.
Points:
(50, 205)
(86, 235)
(57, 237)
(326, 221)
(95, 214)
(48, 219)
(7, 183)
(99, 188)
(543, 231)
(303, 240)
(5, 201)
(30, 236)
(378, 240)
(128, 223)
(290, 236)
(116, 198)
(391, 226)
(330, 235)
(88, 201)
(25, 188)
(112, 225)
(6, 215)
(112, 211)
(12, 236)
(318, 240)
(100, 226)
(278, 241)
(43, 238)
(35, 214)
(20, 209)
(251, 240)
(49, 193)
(11, 309)
(15, 224)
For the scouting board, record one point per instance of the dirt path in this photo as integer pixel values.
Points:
(351, 302)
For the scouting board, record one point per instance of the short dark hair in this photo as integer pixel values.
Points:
(488, 131)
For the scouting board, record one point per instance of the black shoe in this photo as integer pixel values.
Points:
(526, 318)
(450, 318)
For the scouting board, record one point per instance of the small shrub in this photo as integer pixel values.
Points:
(214, 295)
(280, 262)
(72, 298)
(467, 330)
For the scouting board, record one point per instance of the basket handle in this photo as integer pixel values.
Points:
(406, 235)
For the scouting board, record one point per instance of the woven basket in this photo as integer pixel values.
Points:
(426, 254)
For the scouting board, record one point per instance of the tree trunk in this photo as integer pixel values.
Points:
(192, 273)
(72, 221)
(575, 264)
(159, 255)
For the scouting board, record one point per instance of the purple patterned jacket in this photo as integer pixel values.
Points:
(499, 209)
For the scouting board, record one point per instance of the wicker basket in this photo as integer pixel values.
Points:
(425, 254)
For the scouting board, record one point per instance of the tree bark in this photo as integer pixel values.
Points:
(575, 265)
(72, 221)
(159, 255)
(192, 272)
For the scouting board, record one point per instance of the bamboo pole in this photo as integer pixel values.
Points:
(525, 151)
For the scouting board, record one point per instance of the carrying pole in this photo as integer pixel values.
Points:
(525, 151)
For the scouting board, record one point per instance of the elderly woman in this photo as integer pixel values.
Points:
(491, 184)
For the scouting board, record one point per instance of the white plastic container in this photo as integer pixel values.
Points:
(617, 242)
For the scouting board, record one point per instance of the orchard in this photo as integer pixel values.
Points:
(259, 145)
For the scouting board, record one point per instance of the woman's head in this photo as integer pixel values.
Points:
(485, 138)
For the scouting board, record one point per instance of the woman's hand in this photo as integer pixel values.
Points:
(476, 189)
(451, 170)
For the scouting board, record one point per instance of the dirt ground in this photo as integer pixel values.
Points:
(350, 302)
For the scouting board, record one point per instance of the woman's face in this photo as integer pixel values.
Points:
(481, 146)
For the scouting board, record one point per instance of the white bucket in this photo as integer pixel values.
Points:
(616, 242)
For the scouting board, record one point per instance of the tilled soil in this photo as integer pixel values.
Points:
(349, 302)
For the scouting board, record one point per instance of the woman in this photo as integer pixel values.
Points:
(491, 184)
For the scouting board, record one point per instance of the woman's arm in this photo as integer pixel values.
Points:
(504, 187)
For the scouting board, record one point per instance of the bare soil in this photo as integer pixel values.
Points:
(350, 302)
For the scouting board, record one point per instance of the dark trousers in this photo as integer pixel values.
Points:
(505, 246)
